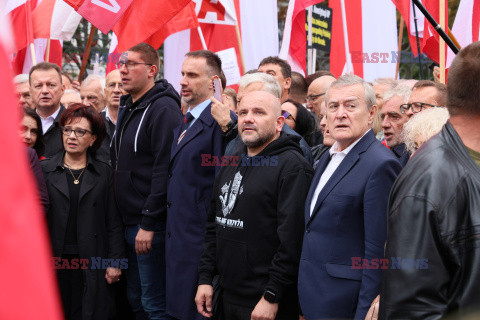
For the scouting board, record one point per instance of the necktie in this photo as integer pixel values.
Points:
(186, 122)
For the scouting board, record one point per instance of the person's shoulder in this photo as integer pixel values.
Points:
(293, 160)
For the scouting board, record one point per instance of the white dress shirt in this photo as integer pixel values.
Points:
(337, 157)
(48, 121)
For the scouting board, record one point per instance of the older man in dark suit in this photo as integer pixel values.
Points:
(191, 182)
(346, 209)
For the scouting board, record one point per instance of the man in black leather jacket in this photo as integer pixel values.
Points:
(434, 212)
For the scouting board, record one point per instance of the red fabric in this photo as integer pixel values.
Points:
(298, 38)
(476, 21)
(101, 17)
(56, 51)
(21, 20)
(353, 11)
(403, 6)
(143, 19)
(431, 46)
(28, 286)
(42, 19)
(218, 37)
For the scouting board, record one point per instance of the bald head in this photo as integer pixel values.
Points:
(259, 120)
(316, 93)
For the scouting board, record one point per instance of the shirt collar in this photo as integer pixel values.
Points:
(107, 115)
(197, 110)
(335, 147)
(52, 116)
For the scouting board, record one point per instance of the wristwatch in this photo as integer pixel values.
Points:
(270, 296)
(229, 126)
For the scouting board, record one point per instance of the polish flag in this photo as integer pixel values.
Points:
(55, 19)
(185, 19)
(294, 43)
(372, 38)
(466, 27)
(19, 13)
(406, 7)
(431, 38)
(29, 289)
(258, 25)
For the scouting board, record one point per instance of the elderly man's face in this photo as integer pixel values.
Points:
(113, 89)
(347, 114)
(327, 138)
(92, 95)
(393, 120)
(23, 94)
(259, 119)
(316, 94)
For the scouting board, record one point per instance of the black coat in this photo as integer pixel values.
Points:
(53, 137)
(99, 226)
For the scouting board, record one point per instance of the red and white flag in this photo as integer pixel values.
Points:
(258, 25)
(19, 13)
(372, 38)
(294, 43)
(430, 45)
(406, 7)
(466, 27)
(54, 19)
(29, 289)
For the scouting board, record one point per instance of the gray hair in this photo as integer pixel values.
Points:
(400, 90)
(424, 124)
(20, 78)
(270, 84)
(388, 81)
(350, 80)
(71, 91)
(94, 77)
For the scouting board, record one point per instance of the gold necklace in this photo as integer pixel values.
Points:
(75, 180)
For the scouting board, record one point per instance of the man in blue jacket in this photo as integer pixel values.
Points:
(140, 152)
(191, 181)
(346, 209)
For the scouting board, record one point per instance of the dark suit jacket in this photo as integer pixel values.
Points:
(189, 192)
(99, 226)
(103, 153)
(53, 137)
(37, 173)
(348, 222)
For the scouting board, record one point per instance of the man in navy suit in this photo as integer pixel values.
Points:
(346, 209)
(191, 181)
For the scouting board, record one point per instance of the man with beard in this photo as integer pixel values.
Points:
(255, 223)
(190, 181)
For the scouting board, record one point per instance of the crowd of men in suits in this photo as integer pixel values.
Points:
(377, 229)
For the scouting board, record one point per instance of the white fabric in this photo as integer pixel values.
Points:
(337, 157)
(379, 23)
(64, 21)
(47, 122)
(462, 27)
(259, 29)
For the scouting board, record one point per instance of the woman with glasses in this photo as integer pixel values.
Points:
(31, 131)
(85, 227)
(301, 120)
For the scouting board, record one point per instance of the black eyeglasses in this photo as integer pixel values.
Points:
(313, 97)
(287, 115)
(415, 107)
(131, 65)
(78, 132)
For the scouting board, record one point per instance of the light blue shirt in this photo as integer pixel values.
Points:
(197, 111)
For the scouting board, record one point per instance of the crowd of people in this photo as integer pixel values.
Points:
(288, 198)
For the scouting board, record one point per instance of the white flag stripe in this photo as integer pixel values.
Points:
(64, 21)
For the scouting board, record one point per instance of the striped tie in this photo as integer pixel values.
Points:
(186, 122)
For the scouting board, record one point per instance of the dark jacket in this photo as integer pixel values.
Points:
(103, 153)
(434, 219)
(189, 193)
(255, 224)
(37, 172)
(348, 222)
(99, 226)
(53, 137)
(400, 151)
(141, 153)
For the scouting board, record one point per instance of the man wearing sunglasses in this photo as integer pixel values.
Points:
(316, 94)
(425, 94)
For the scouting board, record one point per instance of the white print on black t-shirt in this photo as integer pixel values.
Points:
(230, 191)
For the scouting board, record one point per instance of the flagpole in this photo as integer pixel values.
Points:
(345, 37)
(400, 40)
(32, 51)
(240, 47)
(202, 39)
(309, 42)
(86, 54)
(418, 41)
(47, 52)
(442, 42)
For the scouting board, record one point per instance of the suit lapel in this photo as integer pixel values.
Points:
(87, 184)
(345, 166)
(322, 164)
(59, 181)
